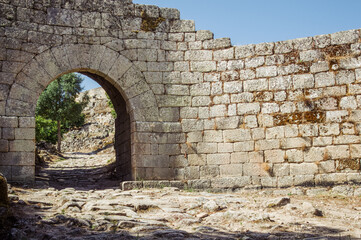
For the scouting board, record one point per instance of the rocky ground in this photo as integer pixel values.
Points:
(75, 197)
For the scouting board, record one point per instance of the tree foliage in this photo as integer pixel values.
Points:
(57, 105)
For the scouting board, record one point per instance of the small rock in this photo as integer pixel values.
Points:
(308, 208)
(211, 206)
(278, 202)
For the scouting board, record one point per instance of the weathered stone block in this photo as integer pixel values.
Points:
(304, 180)
(274, 156)
(255, 169)
(267, 144)
(24, 133)
(294, 156)
(296, 142)
(233, 183)
(303, 81)
(22, 173)
(239, 157)
(218, 159)
(344, 37)
(64, 17)
(330, 179)
(4, 145)
(338, 152)
(182, 26)
(324, 79)
(255, 85)
(204, 66)
(209, 171)
(237, 135)
(231, 169)
(270, 71)
(217, 43)
(245, 51)
(280, 83)
(248, 108)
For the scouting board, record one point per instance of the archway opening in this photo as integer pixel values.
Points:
(115, 137)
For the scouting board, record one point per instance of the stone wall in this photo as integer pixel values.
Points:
(271, 114)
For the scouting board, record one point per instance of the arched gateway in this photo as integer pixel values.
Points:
(189, 107)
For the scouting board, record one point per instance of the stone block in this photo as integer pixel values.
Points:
(250, 121)
(27, 122)
(330, 179)
(218, 159)
(204, 66)
(237, 135)
(345, 77)
(222, 99)
(270, 108)
(24, 133)
(345, 37)
(248, 108)
(129, 185)
(258, 133)
(199, 55)
(199, 183)
(280, 83)
(182, 26)
(310, 55)
(256, 157)
(269, 182)
(356, 179)
(319, 67)
(281, 170)
(303, 81)
(348, 102)
(202, 35)
(329, 129)
(245, 51)
(338, 152)
(217, 43)
(324, 79)
(239, 157)
(163, 173)
(355, 151)
(231, 169)
(294, 156)
(274, 156)
(255, 169)
(191, 78)
(169, 13)
(296, 142)
(254, 62)
(303, 43)
(6, 171)
(153, 161)
(169, 149)
(267, 144)
(232, 87)
(347, 139)
(225, 147)
(327, 166)
(191, 172)
(213, 136)
(64, 17)
(218, 111)
(22, 146)
(8, 133)
(264, 48)
(224, 54)
(233, 183)
(283, 47)
(4, 145)
(270, 71)
(255, 85)
(315, 154)
(209, 171)
(197, 159)
(10, 122)
(23, 173)
(304, 180)
(285, 182)
(207, 147)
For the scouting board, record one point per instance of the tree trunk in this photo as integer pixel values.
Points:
(59, 136)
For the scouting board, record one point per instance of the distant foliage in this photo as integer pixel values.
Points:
(57, 105)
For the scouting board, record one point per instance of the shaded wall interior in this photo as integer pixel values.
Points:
(122, 143)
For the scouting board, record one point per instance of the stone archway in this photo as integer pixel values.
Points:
(133, 99)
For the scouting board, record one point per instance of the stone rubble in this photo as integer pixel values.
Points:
(63, 205)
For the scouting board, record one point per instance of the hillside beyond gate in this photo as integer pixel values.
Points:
(190, 107)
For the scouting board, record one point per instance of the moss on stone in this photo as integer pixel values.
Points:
(150, 24)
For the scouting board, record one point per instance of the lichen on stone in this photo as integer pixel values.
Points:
(150, 24)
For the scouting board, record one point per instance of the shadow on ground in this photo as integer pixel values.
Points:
(87, 178)
(31, 226)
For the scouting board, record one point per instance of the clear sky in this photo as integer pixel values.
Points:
(256, 21)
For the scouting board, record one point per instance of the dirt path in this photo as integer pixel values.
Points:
(75, 198)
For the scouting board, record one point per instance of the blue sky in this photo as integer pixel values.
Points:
(256, 21)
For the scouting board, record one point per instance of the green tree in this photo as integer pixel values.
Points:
(57, 104)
